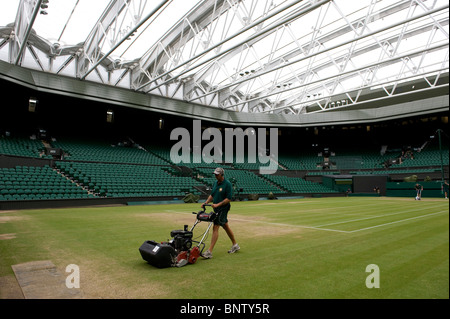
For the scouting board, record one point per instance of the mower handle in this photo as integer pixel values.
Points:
(204, 208)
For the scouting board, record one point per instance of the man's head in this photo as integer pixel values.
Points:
(219, 172)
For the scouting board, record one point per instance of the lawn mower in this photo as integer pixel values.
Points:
(182, 249)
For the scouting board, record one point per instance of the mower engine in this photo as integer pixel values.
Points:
(182, 243)
(182, 239)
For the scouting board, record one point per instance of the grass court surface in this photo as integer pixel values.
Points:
(292, 248)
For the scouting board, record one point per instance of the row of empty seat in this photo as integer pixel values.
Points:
(127, 180)
(102, 152)
(248, 181)
(36, 183)
(22, 146)
(298, 185)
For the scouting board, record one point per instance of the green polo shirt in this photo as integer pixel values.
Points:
(221, 191)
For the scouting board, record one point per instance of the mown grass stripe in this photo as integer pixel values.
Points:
(397, 221)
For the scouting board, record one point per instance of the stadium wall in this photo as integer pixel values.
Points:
(406, 189)
(431, 101)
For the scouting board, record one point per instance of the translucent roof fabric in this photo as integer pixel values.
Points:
(266, 56)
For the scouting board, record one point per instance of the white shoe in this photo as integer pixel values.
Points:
(207, 255)
(234, 249)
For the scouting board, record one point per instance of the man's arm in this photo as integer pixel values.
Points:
(222, 203)
(208, 200)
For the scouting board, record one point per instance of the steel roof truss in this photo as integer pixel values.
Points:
(271, 66)
(26, 15)
(352, 52)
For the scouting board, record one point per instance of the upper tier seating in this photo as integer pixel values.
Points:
(102, 152)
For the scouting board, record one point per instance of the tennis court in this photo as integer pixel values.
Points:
(290, 249)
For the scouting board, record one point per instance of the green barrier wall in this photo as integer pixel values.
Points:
(406, 189)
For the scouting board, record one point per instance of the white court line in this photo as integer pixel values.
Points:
(314, 212)
(289, 225)
(372, 217)
(398, 221)
(337, 230)
(269, 223)
(329, 229)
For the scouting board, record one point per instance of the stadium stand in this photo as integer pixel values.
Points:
(122, 169)
(76, 150)
(22, 146)
(297, 185)
(127, 180)
(37, 183)
(305, 160)
(248, 181)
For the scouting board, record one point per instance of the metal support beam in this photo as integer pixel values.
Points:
(92, 46)
(95, 41)
(26, 15)
(221, 43)
(173, 44)
(366, 67)
(276, 67)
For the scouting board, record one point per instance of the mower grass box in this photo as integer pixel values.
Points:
(158, 255)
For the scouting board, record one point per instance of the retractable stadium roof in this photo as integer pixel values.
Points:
(295, 62)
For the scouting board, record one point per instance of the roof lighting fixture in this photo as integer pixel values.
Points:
(44, 5)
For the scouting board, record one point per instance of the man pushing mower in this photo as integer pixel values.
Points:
(221, 194)
(183, 249)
